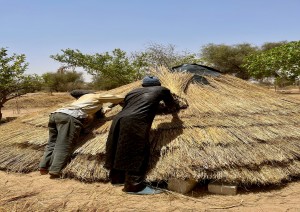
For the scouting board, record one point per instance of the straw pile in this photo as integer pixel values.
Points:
(232, 131)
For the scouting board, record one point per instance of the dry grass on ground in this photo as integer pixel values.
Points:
(38, 100)
(33, 102)
(33, 192)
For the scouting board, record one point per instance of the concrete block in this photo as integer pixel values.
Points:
(222, 188)
(181, 186)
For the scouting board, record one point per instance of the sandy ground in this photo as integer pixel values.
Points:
(33, 192)
(33, 102)
(19, 112)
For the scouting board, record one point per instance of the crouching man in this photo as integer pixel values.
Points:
(65, 125)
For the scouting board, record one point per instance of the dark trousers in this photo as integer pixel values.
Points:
(134, 181)
(64, 130)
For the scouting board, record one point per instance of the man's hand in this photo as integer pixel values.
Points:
(181, 103)
(106, 109)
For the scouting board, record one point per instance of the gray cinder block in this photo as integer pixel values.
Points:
(181, 186)
(222, 188)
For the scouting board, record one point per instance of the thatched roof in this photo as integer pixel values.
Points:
(232, 131)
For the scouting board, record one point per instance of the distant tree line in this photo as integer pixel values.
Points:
(280, 60)
(109, 70)
(116, 68)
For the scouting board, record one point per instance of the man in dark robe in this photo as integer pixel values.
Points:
(127, 147)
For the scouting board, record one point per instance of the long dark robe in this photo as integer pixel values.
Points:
(127, 146)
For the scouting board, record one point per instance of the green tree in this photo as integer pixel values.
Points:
(228, 59)
(270, 45)
(116, 68)
(281, 62)
(13, 81)
(109, 70)
(140, 63)
(63, 80)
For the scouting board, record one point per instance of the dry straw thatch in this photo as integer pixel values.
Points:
(232, 131)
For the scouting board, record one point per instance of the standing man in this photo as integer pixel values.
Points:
(65, 125)
(127, 147)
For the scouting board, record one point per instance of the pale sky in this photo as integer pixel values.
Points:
(40, 28)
